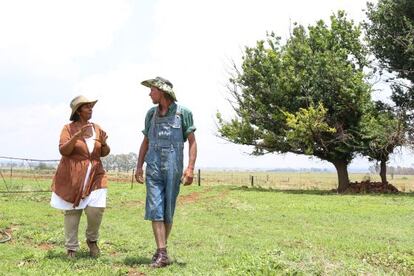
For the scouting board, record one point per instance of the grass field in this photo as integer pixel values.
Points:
(298, 180)
(278, 180)
(220, 230)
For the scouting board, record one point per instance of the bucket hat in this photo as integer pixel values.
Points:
(77, 102)
(162, 84)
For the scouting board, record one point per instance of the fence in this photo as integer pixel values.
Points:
(26, 174)
(35, 175)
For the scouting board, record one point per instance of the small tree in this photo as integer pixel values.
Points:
(306, 96)
(382, 132)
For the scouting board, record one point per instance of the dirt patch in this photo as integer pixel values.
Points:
(134, 272)
(133, 203)
(13, 227)
(218, 196)
(366, 187)
(196, 196)
(46, 246)
(190, 198)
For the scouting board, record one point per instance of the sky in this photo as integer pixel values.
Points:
(52, 51)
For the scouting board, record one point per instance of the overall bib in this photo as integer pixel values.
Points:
(164, 168)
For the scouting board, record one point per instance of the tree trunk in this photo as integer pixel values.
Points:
(342, 171)
(383, 171)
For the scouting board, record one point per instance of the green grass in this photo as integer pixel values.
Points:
(220, 230)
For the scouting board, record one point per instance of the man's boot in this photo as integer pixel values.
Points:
(161, 259)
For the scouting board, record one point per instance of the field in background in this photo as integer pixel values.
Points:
(298, 180)
(220, 230)
(16, 180)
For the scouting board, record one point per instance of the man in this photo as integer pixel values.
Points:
(167, 127)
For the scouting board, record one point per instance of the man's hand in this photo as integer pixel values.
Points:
(139, 175)
(188, 176)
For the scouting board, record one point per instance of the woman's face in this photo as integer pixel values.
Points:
(85, 111)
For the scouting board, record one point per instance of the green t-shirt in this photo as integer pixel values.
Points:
(186, 119)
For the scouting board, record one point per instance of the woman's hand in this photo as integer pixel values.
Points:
(102, 138)
(86, 129)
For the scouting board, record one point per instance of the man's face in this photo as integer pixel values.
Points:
(155, 95)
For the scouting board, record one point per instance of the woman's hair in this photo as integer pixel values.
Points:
(75, 116)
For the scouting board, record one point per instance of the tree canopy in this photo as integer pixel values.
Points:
(390, 33)
(305, 96)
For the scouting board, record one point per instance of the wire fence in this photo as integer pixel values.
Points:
(26, 174)
(18, 175)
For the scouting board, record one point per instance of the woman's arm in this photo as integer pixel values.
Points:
(67, 148)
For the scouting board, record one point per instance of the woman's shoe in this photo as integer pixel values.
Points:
(94, 251)
(71, 254)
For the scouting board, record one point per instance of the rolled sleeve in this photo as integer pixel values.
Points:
(148, 118)
(188, 123)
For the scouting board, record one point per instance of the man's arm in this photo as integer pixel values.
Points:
(139, 173)
(192, 156)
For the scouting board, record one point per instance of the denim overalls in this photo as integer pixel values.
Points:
(164, 169)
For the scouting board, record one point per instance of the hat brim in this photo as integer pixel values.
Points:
(148, 83)
(78, 105)
(153, 83)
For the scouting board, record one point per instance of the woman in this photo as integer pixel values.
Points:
(80, 181)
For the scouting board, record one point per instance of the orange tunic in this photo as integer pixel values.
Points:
(70, 174)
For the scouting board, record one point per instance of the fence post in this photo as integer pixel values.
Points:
(199, 177)
(252, 180)
(11, 173)
(132, 178)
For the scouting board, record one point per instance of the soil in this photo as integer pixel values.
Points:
(366, 187)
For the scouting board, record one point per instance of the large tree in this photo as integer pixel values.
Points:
(306, 96)
(390, 33)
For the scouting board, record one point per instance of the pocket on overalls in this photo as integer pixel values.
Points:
(151, 169)
(176, 123)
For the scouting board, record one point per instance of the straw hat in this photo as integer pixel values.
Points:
(77, 102)
(162, 84)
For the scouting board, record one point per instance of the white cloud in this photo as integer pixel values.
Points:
(32, 131)
(193, 44)
(45, 37)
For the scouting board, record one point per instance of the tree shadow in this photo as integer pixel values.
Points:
(316, 192)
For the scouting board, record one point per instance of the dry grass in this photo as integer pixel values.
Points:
(276, 180)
